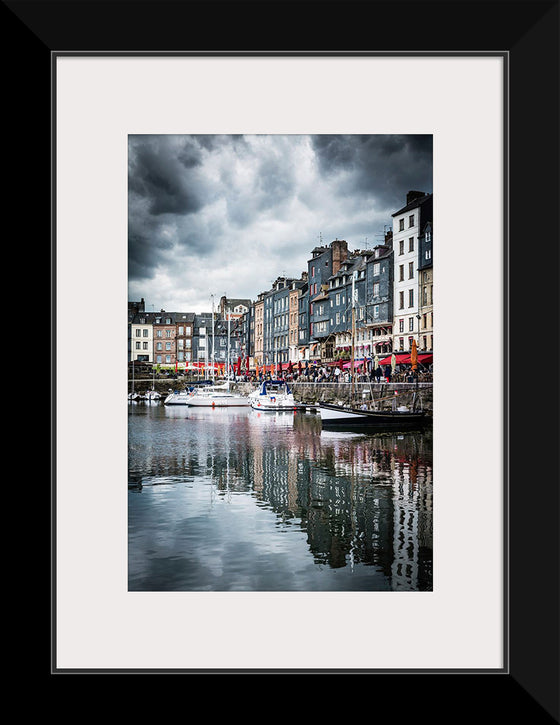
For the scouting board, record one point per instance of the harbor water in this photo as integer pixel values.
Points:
(232, 499)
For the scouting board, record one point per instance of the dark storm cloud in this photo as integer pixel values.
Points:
(385, 165)
(159, 173)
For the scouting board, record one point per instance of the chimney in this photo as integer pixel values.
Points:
(339, 253)
(412, 195)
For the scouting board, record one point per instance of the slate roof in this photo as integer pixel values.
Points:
(415, 203)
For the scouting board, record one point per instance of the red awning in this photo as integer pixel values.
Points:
(403, 358)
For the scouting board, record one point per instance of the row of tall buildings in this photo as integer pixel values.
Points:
(386, 290)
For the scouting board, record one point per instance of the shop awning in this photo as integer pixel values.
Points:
(403, 358)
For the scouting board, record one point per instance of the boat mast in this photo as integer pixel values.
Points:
(213, 354)
(227, 365)
(353, 329)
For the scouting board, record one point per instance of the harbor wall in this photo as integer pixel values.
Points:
(313, 393)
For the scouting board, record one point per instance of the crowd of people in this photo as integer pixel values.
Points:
(333, 374)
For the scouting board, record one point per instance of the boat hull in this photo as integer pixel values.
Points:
(176, 399)
(273, 405)
(217, 402)
(334, 417)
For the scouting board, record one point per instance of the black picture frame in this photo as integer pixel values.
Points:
(528, 33)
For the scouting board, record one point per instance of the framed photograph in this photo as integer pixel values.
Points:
(494, 519)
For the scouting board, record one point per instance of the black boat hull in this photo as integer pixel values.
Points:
(380, 421)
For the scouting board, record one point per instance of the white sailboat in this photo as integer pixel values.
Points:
(152, 394)
(214, 396)
(133, 395)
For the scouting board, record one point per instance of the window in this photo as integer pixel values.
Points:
(145, 333)
(376, 310)
(159, 346)
(411, 324)
(168, 346)
(168, 333)
(138, 345)
(401, 225)
(337, 318)
(401, 272)
(313, 271)
(401, 300)
(401, 343)
(138, 332)
(144, 346)
(338, 299)
(401, 246)
(411, 298)
(376, 289)
(401, 325)
(428, 253)
(181, 330)
(167, 320)
(411, 270)
(411, 244)
(411, 220)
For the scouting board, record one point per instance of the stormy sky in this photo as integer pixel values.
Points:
(215, 215)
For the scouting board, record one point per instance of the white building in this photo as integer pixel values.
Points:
(142, 337)
(407, 224)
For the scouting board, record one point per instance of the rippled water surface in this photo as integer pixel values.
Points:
(237, 500)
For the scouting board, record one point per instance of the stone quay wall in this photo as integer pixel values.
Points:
(313, 393)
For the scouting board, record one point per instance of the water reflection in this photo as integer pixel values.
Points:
(279, 503)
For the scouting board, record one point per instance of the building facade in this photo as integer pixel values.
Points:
(165, 331)
(426, 290)
(324, 263)
(407, 224)
(379, 302)
(184, 337)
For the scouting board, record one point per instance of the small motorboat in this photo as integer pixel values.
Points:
(273, 395)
